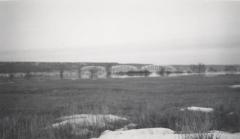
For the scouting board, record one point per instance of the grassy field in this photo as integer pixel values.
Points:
(27, 107)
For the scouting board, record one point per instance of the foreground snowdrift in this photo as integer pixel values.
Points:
(96, 120)
(147, 133)
(163, 133)
(81, 125)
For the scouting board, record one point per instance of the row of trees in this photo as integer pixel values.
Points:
(135, 73)
(198, 68)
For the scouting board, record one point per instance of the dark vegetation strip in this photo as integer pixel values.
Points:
(147, 102)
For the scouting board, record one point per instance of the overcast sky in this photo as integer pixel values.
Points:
(126, 31)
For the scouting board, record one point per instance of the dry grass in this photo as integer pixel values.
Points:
(28, 107)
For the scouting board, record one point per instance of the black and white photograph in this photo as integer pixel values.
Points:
(119, 69)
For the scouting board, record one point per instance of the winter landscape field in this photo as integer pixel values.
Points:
(119, 69)
(83, 109)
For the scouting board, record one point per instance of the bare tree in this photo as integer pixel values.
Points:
(162, 71)
(28, 75)
(212, 69)
(61, 71)
(230, 69)
(93, 72)
(199, 68)
(108, 70)
(79, 71)
(11, 76)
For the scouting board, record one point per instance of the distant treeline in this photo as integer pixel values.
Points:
(135, 73)
(25, 67)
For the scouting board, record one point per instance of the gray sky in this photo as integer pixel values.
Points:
(127, 31)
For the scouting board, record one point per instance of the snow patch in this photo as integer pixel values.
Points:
(199, 109)
(235, 86)
(153, 75)
(163, 133)
(147, 133)
(225, 135)
(96, 120)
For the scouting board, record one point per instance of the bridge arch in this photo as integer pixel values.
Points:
(152, 68)
(123, 68)
(93, 72)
